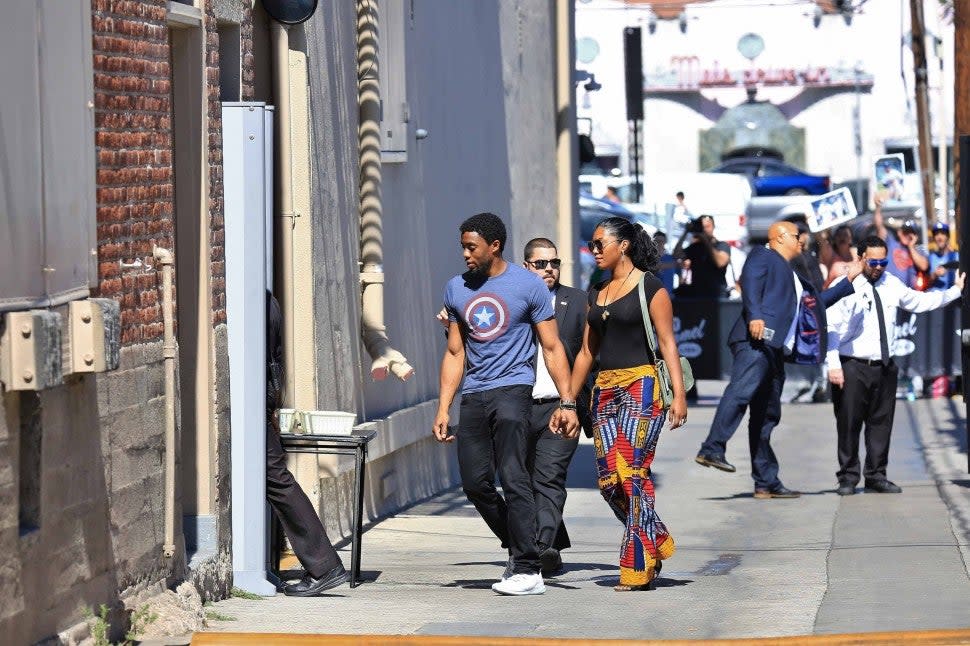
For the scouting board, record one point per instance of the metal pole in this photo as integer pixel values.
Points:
(635, 156)
(922, 109)
(964, 195)
(567, 155)
(857, 127)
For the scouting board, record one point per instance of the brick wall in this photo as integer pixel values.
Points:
(133, 135)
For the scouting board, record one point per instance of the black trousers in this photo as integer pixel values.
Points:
(297, 516)
(494, 433)
(869, 397)
(549, 467)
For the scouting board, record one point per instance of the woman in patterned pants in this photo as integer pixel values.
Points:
(627, 412)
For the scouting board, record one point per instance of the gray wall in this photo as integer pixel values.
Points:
(479, 79)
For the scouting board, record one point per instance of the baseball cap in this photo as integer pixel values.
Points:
(941, 227)
(908, 225)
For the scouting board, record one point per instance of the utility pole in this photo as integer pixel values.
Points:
(961, 89)
(922, 108)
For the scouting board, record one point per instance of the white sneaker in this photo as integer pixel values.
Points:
(509, 568)
(520, 584)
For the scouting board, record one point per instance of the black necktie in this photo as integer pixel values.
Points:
(883, 339)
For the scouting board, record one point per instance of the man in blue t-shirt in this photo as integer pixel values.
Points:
(905, 257)
(941, 275)
(495, 312)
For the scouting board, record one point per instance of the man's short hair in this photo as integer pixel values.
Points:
(679, 194)
(538, 243)
(487, 225)
(869, 242)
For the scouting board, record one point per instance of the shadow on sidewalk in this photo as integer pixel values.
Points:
(750, 494)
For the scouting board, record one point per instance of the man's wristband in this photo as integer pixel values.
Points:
(567, 404)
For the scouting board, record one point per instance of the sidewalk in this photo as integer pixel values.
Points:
(820, 564)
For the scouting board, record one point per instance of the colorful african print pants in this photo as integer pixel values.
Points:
(627, 426)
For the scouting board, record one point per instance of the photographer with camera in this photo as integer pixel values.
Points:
(706, 258)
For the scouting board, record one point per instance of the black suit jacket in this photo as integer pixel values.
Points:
(768, 293)
(571, 309)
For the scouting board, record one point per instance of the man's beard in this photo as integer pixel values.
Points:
(482, 269)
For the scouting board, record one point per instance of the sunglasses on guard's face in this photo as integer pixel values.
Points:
(878, 263)
(555, 263)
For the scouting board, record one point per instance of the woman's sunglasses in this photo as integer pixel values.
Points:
(597, 246)
(555, 263)
(878, 263)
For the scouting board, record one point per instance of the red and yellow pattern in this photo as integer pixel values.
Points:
(627, 427)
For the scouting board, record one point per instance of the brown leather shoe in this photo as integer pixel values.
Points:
(781, 491)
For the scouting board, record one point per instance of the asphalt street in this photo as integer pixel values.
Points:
(744, 567)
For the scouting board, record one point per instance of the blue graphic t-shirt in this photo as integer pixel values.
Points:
(498, 314)
(900, 261)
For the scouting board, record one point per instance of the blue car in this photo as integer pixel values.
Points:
(772, 177)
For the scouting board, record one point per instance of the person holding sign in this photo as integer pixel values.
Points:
(905, 257)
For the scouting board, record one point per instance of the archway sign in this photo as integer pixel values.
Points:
(290, 12)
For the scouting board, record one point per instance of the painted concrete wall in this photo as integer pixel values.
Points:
(670, 130)
(479, 80)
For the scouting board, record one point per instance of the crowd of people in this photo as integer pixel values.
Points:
(533, 362)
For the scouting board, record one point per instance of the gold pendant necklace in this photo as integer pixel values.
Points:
(606, 312)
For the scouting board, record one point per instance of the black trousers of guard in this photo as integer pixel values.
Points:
(494, 433)
(550, 465)
(868, 397)
(297, 516)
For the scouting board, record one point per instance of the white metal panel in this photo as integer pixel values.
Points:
(67, 133)
(244, 143)
(21, 229)
(392, 25)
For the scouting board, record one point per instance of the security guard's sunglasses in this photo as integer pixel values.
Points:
(555, 263)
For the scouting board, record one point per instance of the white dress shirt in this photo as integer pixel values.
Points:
(544, 387)
(853, 324)
(790, 336)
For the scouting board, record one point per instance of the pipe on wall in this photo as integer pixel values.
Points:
(284, 223)
(566, 141)
(164, 257)
(384, 358)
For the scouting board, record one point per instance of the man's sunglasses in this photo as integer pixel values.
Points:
(878, 263)
(555, 263)
(597, 246)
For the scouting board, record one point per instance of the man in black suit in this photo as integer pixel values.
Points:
(297, 516)
(782, 318)
(553, 452)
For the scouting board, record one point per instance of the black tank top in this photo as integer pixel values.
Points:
(623, 341)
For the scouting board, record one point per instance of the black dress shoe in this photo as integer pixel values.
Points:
(781, 491)
(882, 486)
(551, 561)
(309, 586)
(718, 462)
(845, 490)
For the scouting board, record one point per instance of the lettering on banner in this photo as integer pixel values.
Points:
(688, 339)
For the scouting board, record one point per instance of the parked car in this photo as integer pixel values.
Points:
(592, 211)
(772, 177)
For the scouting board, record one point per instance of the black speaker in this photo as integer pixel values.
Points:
(633, 72)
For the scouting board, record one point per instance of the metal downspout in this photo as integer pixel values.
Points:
(567, 196)
(164, 257)
(373, 331)
(285, 221)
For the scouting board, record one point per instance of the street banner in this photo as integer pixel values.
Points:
(888, 172)
(831, 209)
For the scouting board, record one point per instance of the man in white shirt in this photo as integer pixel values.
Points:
(860, 366)
(554, 452)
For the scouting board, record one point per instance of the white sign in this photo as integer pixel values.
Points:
(831, 209)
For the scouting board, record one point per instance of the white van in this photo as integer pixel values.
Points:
(723, 196)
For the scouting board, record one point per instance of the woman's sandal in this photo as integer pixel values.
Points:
(652, 585)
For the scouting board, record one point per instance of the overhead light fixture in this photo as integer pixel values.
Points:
(682, 21)
(651, 21)
(817, 16)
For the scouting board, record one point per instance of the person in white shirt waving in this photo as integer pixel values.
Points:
(860, 365)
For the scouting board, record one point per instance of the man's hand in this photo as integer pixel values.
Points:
(959, 279)
(837, 377)
(907, 238)
(440, 429)
(756, 329)
(442, 317)
(564, 422)
(853, 269)
(939, 271)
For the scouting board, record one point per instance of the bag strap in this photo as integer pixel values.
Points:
(647, 323)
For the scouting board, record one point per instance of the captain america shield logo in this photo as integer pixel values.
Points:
(487, 317)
